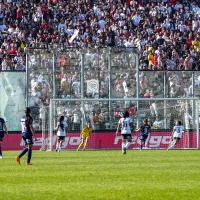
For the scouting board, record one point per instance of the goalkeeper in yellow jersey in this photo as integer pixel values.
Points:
(85, 134)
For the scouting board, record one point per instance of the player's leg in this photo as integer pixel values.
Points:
(124, 138)
(85, 143)
(80, 145)
(23, 152)
(57, 143)
(1, 139)
(129, 141)
(172, 144)
(142, 141)
(1, 155)
(29, 153)
(141, 144)
(60, 143)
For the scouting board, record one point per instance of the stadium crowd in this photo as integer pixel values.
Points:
(165, 32)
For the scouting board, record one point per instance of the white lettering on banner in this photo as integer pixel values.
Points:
(166, 139)
(152, 141)
(155, 141)
(38, 142)
(117, 138)
(134, 139)
(138, 140)
(65, 142)
(74, 141)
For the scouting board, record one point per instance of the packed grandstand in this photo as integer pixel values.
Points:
(165, 34)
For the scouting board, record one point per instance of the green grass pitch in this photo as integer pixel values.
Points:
(95, 175)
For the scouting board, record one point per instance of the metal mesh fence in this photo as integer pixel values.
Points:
(104, 114)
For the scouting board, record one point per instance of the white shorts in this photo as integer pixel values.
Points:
(177, 135)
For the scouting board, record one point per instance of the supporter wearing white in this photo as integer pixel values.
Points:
(136, 19)
(178, 6)
(127, 96)
(129, 43)
(95, 8)
(169, 9)
(159, 124)
(195, 24)
(153, 12)
(125, 86)
(61, 25)
(165, 24)
(101, 23)
(69, 111)
(182, 27)
(2, 27)
(116, 15)
(76, 119)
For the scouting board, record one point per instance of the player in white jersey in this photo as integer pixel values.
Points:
(176, 134)
(125, 123)
(61, 132)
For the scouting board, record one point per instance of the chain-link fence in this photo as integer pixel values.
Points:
(96, 73)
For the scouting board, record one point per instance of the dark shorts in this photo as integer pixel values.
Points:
(2, 135)
(143, 137)
(27, 140)
(61, 137)
(177, 139)
(126, 136)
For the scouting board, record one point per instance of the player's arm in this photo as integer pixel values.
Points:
(5, 128)
(66, 129)
(83, 130)
(118, 127)
(183, 130)
(90, 131)
(131, 126)
(57, 127)
(137, 130)
(172, 133)
(32, 130)
(149, 132)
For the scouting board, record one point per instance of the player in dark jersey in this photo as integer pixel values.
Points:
(27, 135)
(145, 130)
(3, 129)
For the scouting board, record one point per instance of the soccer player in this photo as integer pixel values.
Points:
(176, 134)
(145, 130)
(85, 134)
(27, 135)
(3, 129)
(61, 132)
(125, 123)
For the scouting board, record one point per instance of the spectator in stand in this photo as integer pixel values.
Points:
(165, 32)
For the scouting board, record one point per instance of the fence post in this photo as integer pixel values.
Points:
(27, 72)
(138, 84)
(109, 84)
